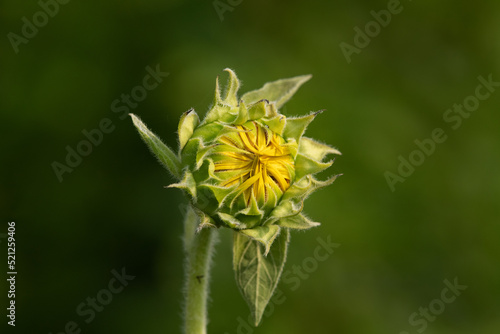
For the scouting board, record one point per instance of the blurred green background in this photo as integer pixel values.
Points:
(112, 212)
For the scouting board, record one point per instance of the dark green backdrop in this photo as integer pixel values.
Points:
(397, 248)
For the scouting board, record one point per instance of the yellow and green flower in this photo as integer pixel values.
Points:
(249, 168)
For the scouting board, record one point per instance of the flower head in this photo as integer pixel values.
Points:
(246, 166)
(256, 160)
(249, 168)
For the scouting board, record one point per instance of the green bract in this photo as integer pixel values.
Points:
(248, 168)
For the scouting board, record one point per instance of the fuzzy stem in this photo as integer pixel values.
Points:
(199, 248)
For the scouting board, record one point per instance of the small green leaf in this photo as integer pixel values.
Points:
(299, 189)
(242, 114)
(188, 183)
(189, 121)
(276, 124)
(305, 165)
(205, 221)
(287, 208)
(217, 98)
(218, 112)
(306, 186)
(257, 275)
(231, 221)
(221, 193)
(279, 91)
(202, 154)
(295, 127)
(252, 209)
(297, 222)
(257, 110)
(263, 234)
(166, 156)
(315, 150)
(233, 85)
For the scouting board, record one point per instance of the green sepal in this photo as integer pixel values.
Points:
(272, 197)
(207, 132)
(275, 124)
(220, 113)
(315, 150)
(317, 184)
(230, 97)
(295, 127)
(224, 110)
(242, 116)
(297, 222)
(189, 121)
(217, 98)
(299, 189)
(292, 146)
(305, 166)
(257, 275)
(188, 154)
(165, 155)
(188, 183)
(302, 188)
(279, 91)
(205, 221)
(221, 193)
(215, 111)
(287, 208)
(252, 209)
(263, 234)
(202, 153)
(257, 110)
(271, 110)
(231, 221)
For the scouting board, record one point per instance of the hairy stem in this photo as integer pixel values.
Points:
(199, 247)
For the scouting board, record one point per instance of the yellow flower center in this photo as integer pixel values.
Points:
(256, 160)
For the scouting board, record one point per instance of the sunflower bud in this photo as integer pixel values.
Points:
(246, 166)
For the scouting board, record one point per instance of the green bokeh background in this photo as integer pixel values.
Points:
(396, 248)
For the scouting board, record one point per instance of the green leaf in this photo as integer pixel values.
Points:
(257, 275)
(279, 91)
(189, 121)
(297, 222)
(166, 156)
